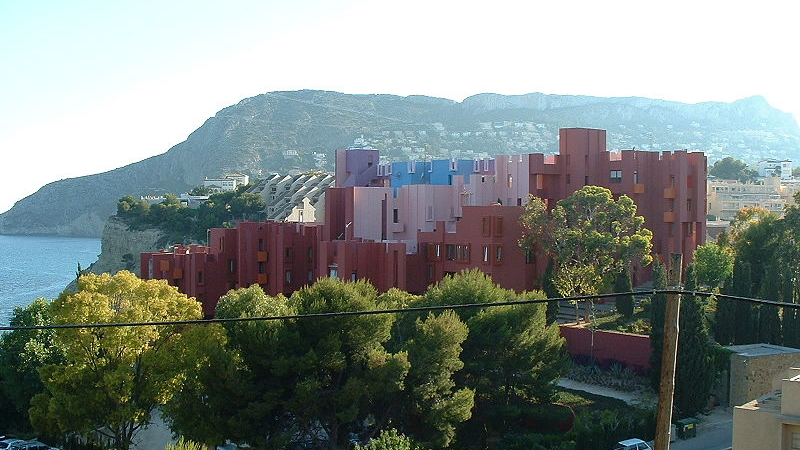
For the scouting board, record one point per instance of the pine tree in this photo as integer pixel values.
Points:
(745, 323)
(769, 322)
(622, 283)
(694, 373)
(657, 308)
(726, 311)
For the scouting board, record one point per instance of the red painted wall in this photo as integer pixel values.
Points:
(633, 350)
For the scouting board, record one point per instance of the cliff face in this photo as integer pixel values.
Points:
(120, 247)
(289, 132)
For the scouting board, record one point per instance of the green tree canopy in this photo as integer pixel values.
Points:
(112, 379)
(589, 235)
(732, 169)
(713, 264)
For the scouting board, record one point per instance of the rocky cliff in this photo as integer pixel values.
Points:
(288, 132)
(120, 247)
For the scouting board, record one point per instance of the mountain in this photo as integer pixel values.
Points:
(289, 132)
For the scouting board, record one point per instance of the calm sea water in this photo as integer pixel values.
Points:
(40, 266)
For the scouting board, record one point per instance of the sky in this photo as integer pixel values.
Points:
(89, 86)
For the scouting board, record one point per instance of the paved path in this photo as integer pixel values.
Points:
(631, 398)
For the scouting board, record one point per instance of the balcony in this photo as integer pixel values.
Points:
(670, 193)
(262, 278)
(163, 266)
(669, 216)
(638, 188)
(262, 256)
(177, 274)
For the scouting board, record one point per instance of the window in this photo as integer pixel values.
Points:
(485, 253)
(451, 252)
(288, 253)
(333, 271)
(498, 226)
(222, 244)
(261, 267)
(453, 164)
(310, 275)
(568, 176)
(310, 253)
(231, 266)
(288, 277)
(636, 177)
(437, 251)
(510, 180)
(487, 226)
(429, 213)
(485, 166)
(430, 272)
(498, 253)
(672, 181)
(476, 166)
(689, 205)
(200, 277)
(261, 244)
(353, 276)
(411, 166)
(466, 253)
(528, 257)
(616, 176)
(395, 216)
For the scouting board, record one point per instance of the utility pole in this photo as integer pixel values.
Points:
(669, 354)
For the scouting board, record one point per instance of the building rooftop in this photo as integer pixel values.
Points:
(761, 349)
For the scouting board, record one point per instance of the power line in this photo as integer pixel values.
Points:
(399, 310)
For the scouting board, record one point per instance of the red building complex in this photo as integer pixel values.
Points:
(413, 235)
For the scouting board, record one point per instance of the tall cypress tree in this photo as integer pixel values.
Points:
(622, 283)
(769, 322)
(745, 321)
(550, 290)
(657, 309)
(694, 373)
(724, 318)
(791, 318)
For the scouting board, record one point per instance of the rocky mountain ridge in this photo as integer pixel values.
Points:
(290, 132)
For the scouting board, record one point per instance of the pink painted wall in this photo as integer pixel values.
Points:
(633, 350)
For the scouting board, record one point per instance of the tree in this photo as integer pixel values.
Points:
(744, 322)
(113, 378)
(732, 169)
(713, 264)
(432, 405)
(22, 353)
(589, 235)
(201, 190)
(550, 291)
(526, 355)
(622, 283)
(724, 327)
(769, 322)
(694, 371)
(657, 313)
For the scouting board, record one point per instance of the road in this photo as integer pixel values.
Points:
(715, 432)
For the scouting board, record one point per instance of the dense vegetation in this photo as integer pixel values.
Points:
(319, 382)
(732, 169)
(182, 224)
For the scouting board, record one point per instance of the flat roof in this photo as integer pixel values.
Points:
(761, 349)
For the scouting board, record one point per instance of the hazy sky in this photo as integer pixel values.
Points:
(88, 86)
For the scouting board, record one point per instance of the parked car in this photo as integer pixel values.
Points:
(29, 445)
(632, 444)
(6, 443)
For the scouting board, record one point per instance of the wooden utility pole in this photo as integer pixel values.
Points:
(669, 354)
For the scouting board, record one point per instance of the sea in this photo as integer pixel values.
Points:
(39, 266)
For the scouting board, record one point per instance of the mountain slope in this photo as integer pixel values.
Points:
(300, 130)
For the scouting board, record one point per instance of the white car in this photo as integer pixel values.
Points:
(632, 444)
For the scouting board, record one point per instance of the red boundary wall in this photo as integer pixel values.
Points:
(632, 350)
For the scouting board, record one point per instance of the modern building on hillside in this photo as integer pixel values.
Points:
(727, 197)
(411, 235)
(768, 168)
(228, 182)
(294, 198)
